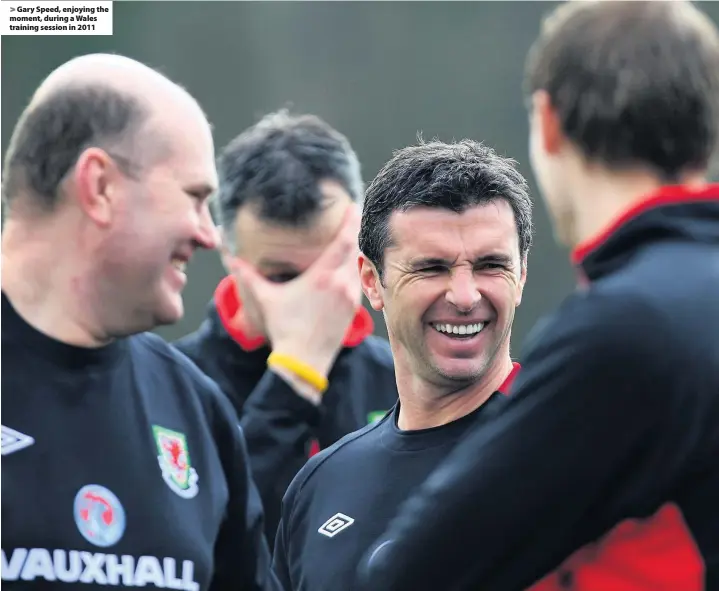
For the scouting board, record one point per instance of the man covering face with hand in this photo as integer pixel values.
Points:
(286, 336)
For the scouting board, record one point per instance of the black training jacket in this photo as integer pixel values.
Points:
(283, 429)
(602, 472)
(122, 466)
(345, 496)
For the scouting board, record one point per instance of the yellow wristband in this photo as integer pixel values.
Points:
(302, 370)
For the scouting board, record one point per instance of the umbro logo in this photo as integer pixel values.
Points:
(13, 441)
(335, 524)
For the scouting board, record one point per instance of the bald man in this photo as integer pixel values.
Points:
(122, 464)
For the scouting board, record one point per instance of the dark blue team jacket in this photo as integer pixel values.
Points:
(122, 466)
(602, 472)
(281, 428)
(345, 496)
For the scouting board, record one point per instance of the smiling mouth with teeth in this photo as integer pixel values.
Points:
(179, 264)
(459, 330)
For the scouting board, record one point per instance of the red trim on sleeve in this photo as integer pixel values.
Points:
(656, 554)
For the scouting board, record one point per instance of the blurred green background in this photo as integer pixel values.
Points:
(381, 72)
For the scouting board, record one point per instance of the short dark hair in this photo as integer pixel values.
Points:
(634, 83)
(277, 165)
(51, 135)
(451, 176)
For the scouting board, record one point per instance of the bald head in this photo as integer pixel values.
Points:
(118, 73)
(101, 101)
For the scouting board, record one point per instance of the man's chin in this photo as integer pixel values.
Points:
(460, 371)
(170, 312)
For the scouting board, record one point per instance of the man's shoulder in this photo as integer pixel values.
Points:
(372, 384)
(196, 343)
(211, 348)
(376, 350)
(604, 309)
(373, 353)
(339, 459)
(612, 323)
(154, 350)
(191, 343)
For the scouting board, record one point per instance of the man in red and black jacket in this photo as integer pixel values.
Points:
(286, 336)
(602, 472)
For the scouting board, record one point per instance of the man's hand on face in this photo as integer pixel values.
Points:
(308, 316)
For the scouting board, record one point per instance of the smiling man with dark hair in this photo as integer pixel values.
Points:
(446, 230)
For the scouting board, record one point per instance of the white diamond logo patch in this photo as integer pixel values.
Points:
(335, 524)
(13, 440)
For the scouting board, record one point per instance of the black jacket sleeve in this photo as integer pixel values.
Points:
(282, 555)
(278, 425)
(242, 555)
(280, 560)
(521, 494)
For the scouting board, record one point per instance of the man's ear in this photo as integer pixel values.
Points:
(548, 123)
(97, 181)
(371, 284)
(226, 250)
(522, 281)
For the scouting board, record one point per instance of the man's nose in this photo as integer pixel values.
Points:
(207, 235)
(462, 291)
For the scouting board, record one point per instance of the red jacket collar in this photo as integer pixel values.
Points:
(668, 195)
(228, 304)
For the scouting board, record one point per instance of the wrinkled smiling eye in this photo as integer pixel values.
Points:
(434, 269)
(492, 266)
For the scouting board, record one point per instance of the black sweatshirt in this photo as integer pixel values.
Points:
(283, 429)
(344, 497)
(603, 470)
(122, 465)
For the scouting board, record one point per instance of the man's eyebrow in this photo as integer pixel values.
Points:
(421, 262)
(497, 258)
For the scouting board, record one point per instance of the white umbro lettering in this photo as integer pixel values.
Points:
(97, 568)
(13, 440)
(335, 524)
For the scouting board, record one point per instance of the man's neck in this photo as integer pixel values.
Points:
(423, 406)
(46, 292)
(603, 197)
